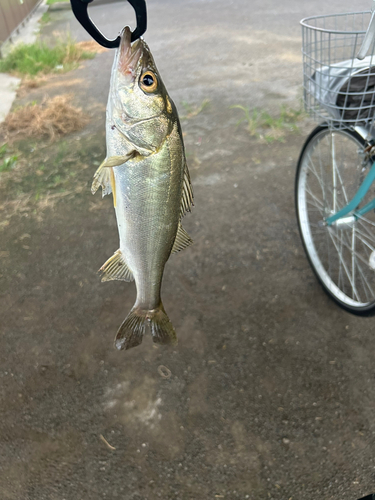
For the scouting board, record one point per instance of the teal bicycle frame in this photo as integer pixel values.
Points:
(356, 200)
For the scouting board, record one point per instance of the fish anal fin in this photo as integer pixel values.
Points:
(182, 240)
(116, 268)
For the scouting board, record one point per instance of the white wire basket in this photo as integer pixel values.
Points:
(338, 88)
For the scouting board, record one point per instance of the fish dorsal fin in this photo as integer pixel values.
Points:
(187, 199)
(182, 239)
(116, 268)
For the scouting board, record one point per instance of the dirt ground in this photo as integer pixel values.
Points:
(270, 392)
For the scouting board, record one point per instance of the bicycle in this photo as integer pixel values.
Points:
(334, 188)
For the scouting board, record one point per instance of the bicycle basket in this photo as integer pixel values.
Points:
(338, 88)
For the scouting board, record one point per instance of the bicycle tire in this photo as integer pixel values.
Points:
(330, 169)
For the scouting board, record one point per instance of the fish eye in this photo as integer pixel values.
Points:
(148, 81)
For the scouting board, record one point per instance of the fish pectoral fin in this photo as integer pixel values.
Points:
(116, 268)
(187, 199)
(104, 176)
(182, 239)
(116, 161)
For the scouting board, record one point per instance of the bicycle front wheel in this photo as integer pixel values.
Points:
(331, 167)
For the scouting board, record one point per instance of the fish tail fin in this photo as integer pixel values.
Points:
(162, 330)
(130, 333)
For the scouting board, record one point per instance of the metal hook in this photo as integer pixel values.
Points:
(79, 8)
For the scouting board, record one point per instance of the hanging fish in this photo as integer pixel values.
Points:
(145, 169)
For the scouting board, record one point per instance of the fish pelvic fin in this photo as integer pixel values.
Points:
(116, 268)
(182, 239)
(102, 178)
(130, 333)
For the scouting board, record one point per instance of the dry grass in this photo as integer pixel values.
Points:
(32, 82)
(24, 204)
(51, 119)
(48, 82)
(91, 46)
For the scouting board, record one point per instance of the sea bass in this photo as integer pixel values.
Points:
(145, 169)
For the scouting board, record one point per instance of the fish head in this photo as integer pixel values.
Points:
(140, 107)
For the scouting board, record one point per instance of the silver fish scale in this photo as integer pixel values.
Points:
(148, 194)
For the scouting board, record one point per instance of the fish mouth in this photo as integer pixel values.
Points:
(129, 55)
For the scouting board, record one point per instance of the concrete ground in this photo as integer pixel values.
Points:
(8, 93)
(270, 391)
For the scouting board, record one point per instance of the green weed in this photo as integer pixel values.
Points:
(46, 17)
(252, 120)
(3, 150)
(8, 163)
(40, 58)
(264, 126)
(192, 111)
(50, 2)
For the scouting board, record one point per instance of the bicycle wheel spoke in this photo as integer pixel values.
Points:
(345, 268)
(362, 218)
(318, 202)
(313, 170)
(363, 237)
(321, 173)
(353, 255)
(356, 255)
(349, 248)
(334, 173)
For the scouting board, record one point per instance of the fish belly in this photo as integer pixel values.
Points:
(148, 193)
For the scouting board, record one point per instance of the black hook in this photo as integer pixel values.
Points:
(79, 8)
